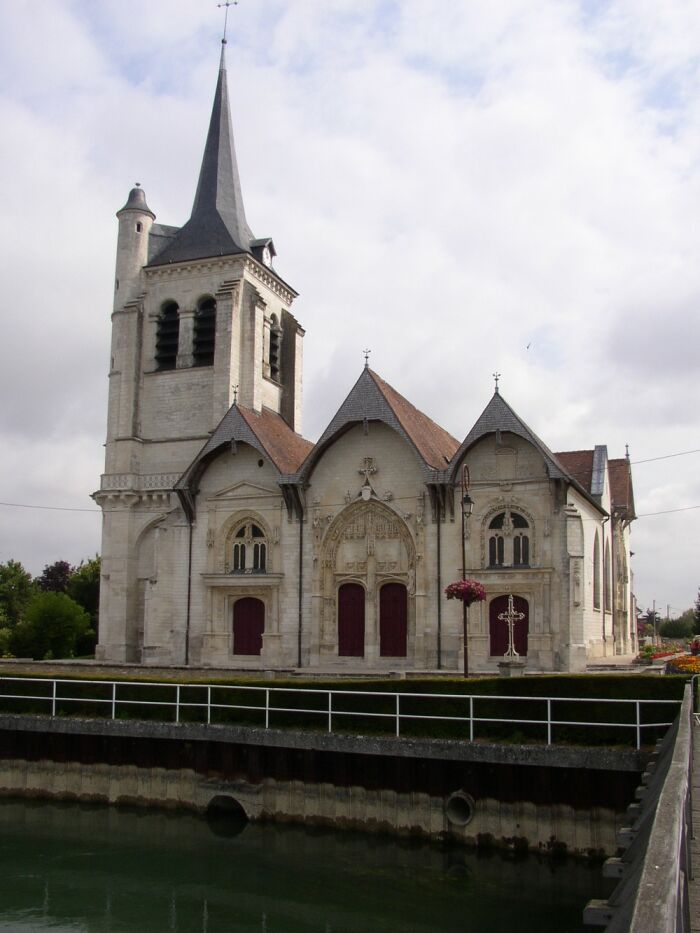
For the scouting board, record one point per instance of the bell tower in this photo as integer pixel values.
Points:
(200, 313)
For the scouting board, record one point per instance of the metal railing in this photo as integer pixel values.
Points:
(329, 706)
(655, 868)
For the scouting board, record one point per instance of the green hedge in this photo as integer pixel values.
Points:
(146, 701)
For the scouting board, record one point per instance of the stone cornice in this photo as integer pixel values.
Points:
(224, 264)
(235, 580)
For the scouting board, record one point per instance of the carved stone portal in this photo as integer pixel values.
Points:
(368, 543)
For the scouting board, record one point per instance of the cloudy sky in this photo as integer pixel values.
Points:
(463, 187)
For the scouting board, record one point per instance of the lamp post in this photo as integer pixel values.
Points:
(467, 504)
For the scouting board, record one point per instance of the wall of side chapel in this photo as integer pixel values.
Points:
(504, 476)
(398, 498)
(595, 620)
(237, 488)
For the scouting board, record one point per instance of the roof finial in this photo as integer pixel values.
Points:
(235, 394)
(496, 377)
(227, 4)
(366, 355)
(627, 451)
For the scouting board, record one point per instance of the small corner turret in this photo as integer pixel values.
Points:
(135, 222)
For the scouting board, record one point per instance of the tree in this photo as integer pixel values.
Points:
(55, 577)
(16, 589)
(696, 627)
(51, 627)
(676, 628)
(84, 588)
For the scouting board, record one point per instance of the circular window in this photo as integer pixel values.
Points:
(460, 808)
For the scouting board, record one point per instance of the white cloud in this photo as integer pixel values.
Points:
(445, 184)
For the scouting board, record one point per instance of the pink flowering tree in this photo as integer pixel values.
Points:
(468, 591)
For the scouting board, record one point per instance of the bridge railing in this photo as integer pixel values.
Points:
(456, 714)
(655, 868)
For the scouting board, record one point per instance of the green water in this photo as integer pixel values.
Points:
(77, 868)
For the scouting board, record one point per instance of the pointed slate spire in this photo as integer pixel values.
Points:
(218, 226)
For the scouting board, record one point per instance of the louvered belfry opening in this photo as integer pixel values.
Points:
(205, 333)
(167, 336)
(275, 340)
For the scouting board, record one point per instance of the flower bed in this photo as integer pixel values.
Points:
(687, 664)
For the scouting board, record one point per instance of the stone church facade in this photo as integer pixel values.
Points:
(231, 541)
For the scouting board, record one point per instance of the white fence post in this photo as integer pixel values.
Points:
(114, 700)
(53, 699)
(471, 719)
(208, 706)
(177, 703)
(330, 710)
(267, 708)
(398, 714)
(549, 722)
(639, 725)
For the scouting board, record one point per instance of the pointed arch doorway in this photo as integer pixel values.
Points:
(498, 629)
(393, 620)
(248, 625)
(351, 621)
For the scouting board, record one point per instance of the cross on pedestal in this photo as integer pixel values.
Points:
(511, 616)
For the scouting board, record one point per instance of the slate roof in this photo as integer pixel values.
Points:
(499, 416)
(217, 226)
(621, 489)
(373, 399)
(266, 431)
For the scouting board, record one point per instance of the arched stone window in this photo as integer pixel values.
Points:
(248, 549)
(596, 572)
(509, 540)
(607, 581)
(167, 336)
(204, 332)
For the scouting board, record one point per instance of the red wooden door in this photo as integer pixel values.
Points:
(498, 629)
(393, 620)
(248, 625)
(351, 621)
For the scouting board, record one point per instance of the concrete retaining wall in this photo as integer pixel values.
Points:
(519, 825)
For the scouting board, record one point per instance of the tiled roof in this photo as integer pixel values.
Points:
(579, 464)
(286, 449)
(373, 399)
(266, 431)
(434, 444)
(621, 489)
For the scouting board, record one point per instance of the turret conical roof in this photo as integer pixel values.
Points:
(217, 226)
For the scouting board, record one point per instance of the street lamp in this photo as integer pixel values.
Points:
(467, 504)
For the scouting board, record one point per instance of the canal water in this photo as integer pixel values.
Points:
(73, 868)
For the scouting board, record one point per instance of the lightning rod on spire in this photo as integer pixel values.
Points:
(227, 4)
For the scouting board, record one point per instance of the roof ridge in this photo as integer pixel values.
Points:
(382, 382)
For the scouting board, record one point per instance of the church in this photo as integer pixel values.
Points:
(230, 541)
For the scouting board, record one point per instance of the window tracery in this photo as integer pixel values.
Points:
(509, 534)
(249, 547)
